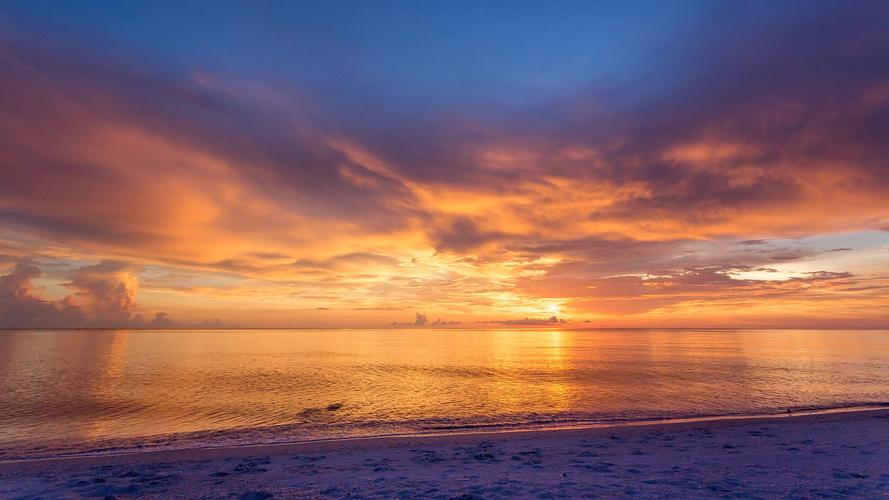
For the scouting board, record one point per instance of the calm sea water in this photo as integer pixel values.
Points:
(74, 391)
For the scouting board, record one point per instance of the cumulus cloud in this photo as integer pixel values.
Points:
(22, 307)
(106, 291)
(104, 296)
(161, 320)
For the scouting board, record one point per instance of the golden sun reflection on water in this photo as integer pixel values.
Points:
(72, 386)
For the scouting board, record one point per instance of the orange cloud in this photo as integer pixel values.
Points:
(255, 200)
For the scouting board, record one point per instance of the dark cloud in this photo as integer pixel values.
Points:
(765, 122)
(421, 320)
(462, 234)
(743, 130)
(603, 255)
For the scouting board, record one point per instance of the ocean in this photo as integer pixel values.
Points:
(74, 392)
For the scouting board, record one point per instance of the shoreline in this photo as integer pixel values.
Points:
(833, 454)
(450, 437)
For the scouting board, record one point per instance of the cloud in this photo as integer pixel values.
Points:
(552, 320)
(741, 138)
(462, 234)
(361, 260)
(617, 198)
(104, 296)
(440, 322)
(161, 320)
(141, 165)
(21, 307)
(743, 145)
(106, 291)
(421, 320)
(695, 287)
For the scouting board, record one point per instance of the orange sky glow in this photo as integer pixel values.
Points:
(752, 192)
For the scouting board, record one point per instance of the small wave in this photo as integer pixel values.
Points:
(297, 433)
(600, 420)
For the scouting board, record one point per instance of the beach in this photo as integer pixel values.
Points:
(828, 454)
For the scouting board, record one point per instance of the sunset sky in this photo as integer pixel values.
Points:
(276, 164)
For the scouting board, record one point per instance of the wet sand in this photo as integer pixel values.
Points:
(835, 454)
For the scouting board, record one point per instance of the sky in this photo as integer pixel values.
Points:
(438, 164)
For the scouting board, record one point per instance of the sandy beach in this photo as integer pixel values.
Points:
(834, 454)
